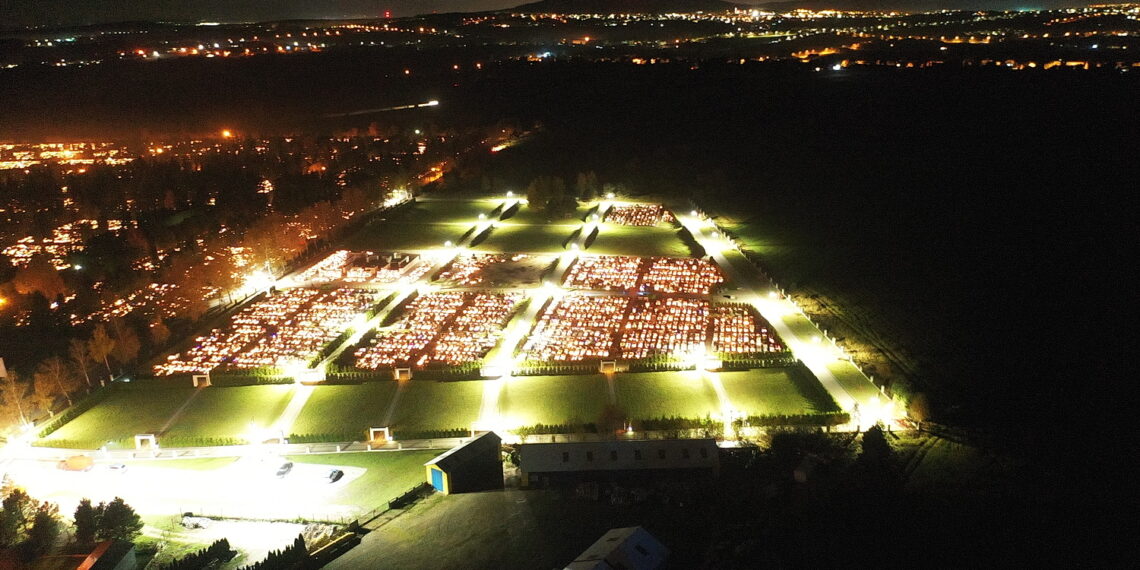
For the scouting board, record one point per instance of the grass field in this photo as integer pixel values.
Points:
(398, 236)
(389, 474)
(767, 391)
(853, 381)
(527, 215)
(427, 405)
(529, 400)
(665, 394)
(123, 414)
(507, 237)
(630, 240)
(338, 409)
(448, 211)
(228, 412)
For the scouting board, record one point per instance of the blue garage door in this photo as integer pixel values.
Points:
(437, 479)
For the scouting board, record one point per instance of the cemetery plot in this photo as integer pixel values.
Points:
(672, 326)
(738, 329)
(580, 327)
(299, 338)
(244, 328)
(681, 275)
(638, 215)
(492, 270)
(366, 267)
(450, 328)
(577, 327)
(604, 272)
(650, 274)
(285, 329)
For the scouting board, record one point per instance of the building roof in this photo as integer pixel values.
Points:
(107, 554)
(632, 548)
(476, 447)
(618, 455)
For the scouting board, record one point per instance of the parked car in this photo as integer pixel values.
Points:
(335, 475)
(120, 467)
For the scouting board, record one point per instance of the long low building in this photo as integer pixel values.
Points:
(618, 455)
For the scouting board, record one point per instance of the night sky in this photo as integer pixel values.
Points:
(49, 12)
(35, 12)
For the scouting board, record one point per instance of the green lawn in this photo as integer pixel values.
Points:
(125, 413)
(632, 240)
(529, 400)
(526, 215)
(427, 405)
(854, 382)
(336, 409)
(400, 236)
(663, 394)
(228, 412)
(449, 211)
(389, 474)
(767, 391)
(507, 237)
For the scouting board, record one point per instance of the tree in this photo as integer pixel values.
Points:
(919, 408)
(55, 374)
(127, 344)
(118, 520)
(44, 530)
(876, 453)
(13, 394)
(86, 522)
(16, 513)
(80, 357)
(100, 346)
(40, 276)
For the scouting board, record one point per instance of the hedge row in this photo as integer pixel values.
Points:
(754, 360)
(198, 441)
(230, 381)
(544, 429)
(82, 443)
(808, 419)
(432, 434)
(327, 437)
(539, 368)
(217, 553)
(677, 423)
(327, 350)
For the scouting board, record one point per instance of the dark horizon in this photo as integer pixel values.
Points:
(22, 13)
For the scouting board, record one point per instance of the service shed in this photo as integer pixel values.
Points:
(550, 459)
(631, 548)
(476, 465)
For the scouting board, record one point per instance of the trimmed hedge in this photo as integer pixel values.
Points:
(198, 441)
(747, 361)
(540, 368)
(545, 429)
(328, 437)
(209, 557)
(431, 434)
(125, 443)
(226, 380)
(809, 419)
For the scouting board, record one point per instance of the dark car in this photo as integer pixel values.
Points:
(335, 475)
(284, 469)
